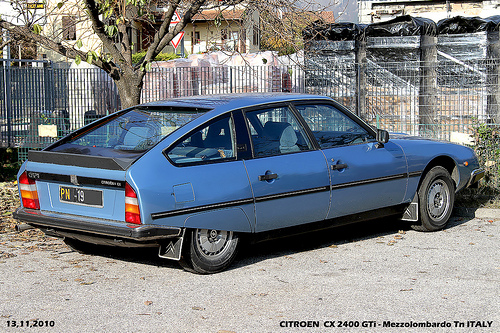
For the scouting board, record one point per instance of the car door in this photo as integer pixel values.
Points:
(207, 181)
(289, 178)
(364, 174)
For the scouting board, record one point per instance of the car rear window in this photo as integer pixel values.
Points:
(129, 134)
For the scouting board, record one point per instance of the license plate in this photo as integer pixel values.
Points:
(80, 196)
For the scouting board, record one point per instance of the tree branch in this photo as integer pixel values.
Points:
(5, 44)
(58, 47)
(98, 26)
(151, 52)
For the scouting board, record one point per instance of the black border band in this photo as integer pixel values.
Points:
(369, 181)
(183, 211)
(279, 195)
(77, 180)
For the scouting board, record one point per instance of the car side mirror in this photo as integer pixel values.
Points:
(382, 136)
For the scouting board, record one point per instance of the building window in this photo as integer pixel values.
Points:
(255, 37)
(69, 27)
(197, 37)
(242, 42)
(223, 34)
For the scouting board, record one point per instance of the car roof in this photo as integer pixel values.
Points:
(233, 101)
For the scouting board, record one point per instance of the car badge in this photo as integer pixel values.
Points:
(74, 180)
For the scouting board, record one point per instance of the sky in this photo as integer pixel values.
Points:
(350, 14)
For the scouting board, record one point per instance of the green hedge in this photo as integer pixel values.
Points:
(160, 57)
(487, 148)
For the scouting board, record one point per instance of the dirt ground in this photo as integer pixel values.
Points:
(378, 276)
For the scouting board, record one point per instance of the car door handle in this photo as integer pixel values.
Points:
(268, 176)
(339, 166)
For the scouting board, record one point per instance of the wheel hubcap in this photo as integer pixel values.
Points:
(438, 199)
(212, 235)
(212, 242)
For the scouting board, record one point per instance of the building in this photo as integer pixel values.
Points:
(236, 28)
(15, 12)
(228, 28)
(372, 11)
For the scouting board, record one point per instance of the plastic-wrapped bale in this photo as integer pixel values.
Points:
(330, 59)
(466, 38)
(154, 83)
(401, 56)
(467, 25)
(202, 73)
(331, 44)
(398, 40)
(168, 79)
(469, 52)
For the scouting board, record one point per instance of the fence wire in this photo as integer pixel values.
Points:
(445, 100)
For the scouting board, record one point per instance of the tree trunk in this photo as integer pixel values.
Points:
(129, 87)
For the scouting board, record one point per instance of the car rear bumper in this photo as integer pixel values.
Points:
(98, 227)
(475, 176)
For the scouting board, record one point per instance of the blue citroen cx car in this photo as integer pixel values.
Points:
(192, 175)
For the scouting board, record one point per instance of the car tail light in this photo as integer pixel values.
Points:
(29, 195)
(132, 212)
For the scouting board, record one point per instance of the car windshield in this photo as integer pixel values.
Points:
(129, 134)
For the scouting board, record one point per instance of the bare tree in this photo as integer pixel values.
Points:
(111, 21)
(282, 23)
(109, 24)
(5, 43)
(21, 15)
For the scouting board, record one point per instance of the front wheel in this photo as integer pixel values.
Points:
(210, 251)
(436, 196)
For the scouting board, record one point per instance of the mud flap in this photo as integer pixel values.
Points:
(411, 212)
(172, 249)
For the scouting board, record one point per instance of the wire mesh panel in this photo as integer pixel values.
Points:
(338, 82)
(392, 96)
(41, 104)
(464, 93)
(25, 104)
(170, 82)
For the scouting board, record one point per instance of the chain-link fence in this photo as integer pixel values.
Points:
(400, 99)
(446, 100)
(41, 102)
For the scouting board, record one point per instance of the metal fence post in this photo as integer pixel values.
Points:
(493, 76)
(48, 78)
(8, 99)
(428, 85)
(360, 63)
(230, 80)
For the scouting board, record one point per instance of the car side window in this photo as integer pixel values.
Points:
(331, 127)
(210, 143)
(276, 131)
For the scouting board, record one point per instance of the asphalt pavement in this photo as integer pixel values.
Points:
(378, 276)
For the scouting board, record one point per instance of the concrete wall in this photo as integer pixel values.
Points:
(377, 11)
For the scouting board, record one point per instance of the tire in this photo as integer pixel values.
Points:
(209, 251)
(436, 196)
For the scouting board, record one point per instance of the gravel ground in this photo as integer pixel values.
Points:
(369, 276)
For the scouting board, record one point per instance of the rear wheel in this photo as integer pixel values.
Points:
(209, 251)
(436, 196)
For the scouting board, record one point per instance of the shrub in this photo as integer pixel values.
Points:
(136, 57)
(487, 148)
